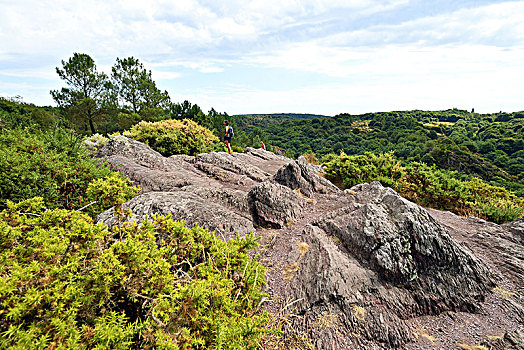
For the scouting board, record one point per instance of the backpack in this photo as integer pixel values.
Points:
(230, 132)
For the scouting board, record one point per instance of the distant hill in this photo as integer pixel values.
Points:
(248, 122)
(490, 146)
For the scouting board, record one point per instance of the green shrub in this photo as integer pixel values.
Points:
(347, 171)
(235, 148)
(426, 185)
(15, 114)
(111, 191)
(94, 142)
(499, 211)
(311, 157)
(49, 164)
(170, 137)
(431, 187)
(67, 283)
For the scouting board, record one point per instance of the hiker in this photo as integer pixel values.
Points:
(262, 145)
(228, 135)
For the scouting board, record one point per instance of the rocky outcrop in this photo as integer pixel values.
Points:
(148, 168)
(516, 228)
(336, 292)
(186, 206)
(302, 176)
(239, 164)
(222, 192)
(513, 340)
(358, 269)
(313, 175)
(391, 261)
(406, 247)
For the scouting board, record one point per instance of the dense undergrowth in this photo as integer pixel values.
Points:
(67, 283)
(51, 164)
(426, 185)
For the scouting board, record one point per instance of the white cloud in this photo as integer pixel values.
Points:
(430, 58)
(157, 27)
(496, 24)
(200, 64)
(404, 60)
(487, 94)
(29, 73)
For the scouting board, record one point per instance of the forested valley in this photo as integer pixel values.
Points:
(490, 146)
(454, 146)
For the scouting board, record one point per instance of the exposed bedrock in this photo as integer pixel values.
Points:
(219, 182)
(407, 247)
(378, 262)
(358, 266)
(273, 205)
(148, 168)
(305, 177)
(186, 206)
(241, 164)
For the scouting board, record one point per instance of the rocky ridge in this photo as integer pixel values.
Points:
(361, 268)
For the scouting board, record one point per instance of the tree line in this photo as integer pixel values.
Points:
(489, 146)
(93, 102)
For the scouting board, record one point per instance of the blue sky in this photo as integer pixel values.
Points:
(270, 56)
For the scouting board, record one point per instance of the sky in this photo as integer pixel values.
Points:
(280, 56)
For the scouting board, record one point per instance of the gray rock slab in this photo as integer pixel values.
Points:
(184, 206)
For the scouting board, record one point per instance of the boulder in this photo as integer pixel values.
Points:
(273, 205)
(511, 340)
(290, 175)
(517, 230)
(406, 247)
(304, 177)
(312, 174)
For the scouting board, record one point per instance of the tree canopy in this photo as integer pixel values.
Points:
(87, 92)
(136, 89)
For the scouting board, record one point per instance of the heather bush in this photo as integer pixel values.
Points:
(111, 191)
(432, 187)
(94, 142)
(346, 171)
(170, 137)
(311, 158)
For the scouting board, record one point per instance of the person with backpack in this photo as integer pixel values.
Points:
(228, 136)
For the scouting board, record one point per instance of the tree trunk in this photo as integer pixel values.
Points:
(92, 126)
